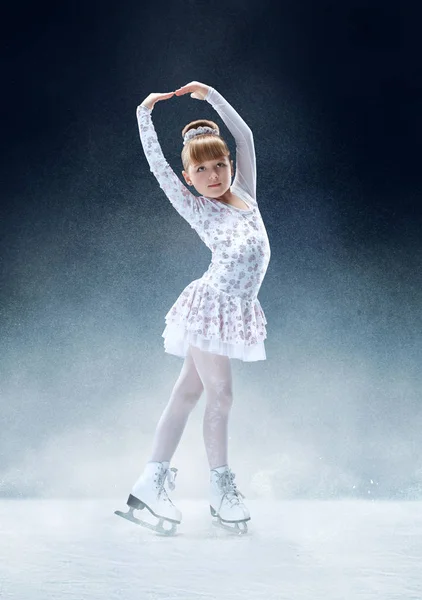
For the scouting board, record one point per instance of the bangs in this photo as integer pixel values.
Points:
(207, 148)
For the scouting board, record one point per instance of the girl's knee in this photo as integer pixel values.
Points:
(188, 396)
(222, 389)
(220, 402)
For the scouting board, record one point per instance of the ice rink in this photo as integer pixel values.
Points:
(342, 550)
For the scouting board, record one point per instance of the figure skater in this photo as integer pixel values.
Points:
(216, 317)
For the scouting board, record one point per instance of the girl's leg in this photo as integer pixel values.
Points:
(186, 393)
(216, 376)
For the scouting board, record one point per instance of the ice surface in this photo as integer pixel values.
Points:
(357, 550)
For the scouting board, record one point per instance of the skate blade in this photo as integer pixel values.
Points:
(238, 528)
(158, 528)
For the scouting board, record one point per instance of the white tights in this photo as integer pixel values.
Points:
(201, 370)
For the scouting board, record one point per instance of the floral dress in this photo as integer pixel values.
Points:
(219, 312)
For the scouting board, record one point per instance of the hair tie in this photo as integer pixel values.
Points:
(198, 131)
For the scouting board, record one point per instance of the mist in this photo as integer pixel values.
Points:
(94, 255)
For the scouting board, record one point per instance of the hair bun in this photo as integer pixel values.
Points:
(198, 131)
(199, 123)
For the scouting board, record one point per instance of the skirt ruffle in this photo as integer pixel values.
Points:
(216, 322)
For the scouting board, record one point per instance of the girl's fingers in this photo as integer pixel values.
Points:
(166, 95)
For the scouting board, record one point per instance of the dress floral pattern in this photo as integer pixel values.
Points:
(220, 312)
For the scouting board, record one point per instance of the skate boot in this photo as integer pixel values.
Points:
(149, 492)
(226, 501)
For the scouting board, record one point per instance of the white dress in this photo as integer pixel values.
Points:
(219, 312)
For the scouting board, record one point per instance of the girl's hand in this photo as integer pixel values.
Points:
(199, 90)
(153, 98)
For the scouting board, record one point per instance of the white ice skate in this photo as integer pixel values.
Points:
(226, 503)
(149, 492)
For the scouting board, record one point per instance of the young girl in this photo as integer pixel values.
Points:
(216, 317)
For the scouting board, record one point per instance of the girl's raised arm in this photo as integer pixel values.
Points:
(245, 177)
(186, 204)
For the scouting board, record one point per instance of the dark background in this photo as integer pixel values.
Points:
(93, 255)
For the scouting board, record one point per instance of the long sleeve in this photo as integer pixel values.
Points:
(245, 177)
(187, 204)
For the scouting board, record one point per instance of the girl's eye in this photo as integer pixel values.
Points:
(224, 164)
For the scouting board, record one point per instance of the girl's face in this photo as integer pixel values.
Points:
(206, 174)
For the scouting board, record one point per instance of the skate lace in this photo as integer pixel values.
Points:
(227, 485)
(163, 476)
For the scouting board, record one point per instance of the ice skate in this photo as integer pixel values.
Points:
(226, 502)
(149, 492)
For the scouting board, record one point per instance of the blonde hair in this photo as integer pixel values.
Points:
(204, 146)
